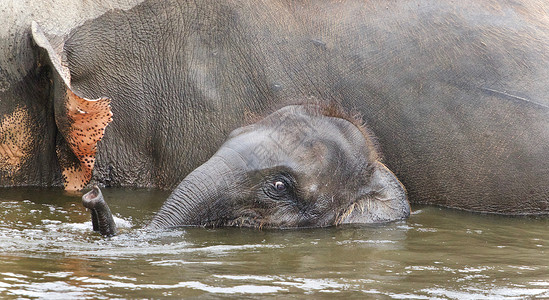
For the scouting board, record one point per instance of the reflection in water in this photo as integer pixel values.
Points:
(48, 250)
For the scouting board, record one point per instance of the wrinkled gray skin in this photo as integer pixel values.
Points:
(456, 91)
(295, 168)
(26, 80)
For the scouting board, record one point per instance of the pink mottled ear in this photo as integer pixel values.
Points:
(83, 127)
(80, 121)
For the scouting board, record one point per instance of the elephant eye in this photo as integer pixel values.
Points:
(280, 186)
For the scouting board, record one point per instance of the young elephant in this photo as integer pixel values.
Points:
(301, 166)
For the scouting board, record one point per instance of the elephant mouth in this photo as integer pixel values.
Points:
(249, 219)
(255, 220)
(247, 222)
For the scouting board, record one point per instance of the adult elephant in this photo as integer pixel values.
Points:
(455, 91)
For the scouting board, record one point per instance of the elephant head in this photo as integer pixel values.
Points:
(302, 166)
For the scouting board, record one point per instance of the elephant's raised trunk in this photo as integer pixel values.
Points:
(102, 219)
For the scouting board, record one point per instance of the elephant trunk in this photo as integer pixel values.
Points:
(102, 219)
(195, 202)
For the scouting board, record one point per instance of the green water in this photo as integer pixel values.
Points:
(47, 250)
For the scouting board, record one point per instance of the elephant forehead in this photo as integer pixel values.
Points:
(262, 149)
(330, 140)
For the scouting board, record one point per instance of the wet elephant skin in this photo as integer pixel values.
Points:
(455, 92)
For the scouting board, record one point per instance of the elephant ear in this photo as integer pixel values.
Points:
(81, 122)
(385, 200)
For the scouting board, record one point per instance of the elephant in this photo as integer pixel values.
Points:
(302, 166)
(141, 93)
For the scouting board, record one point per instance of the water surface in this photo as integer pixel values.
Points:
(48, 250)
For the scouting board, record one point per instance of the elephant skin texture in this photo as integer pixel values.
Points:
(455, 91)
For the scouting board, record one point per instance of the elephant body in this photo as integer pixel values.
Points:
(456, 92)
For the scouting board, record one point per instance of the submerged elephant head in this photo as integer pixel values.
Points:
(301, 166)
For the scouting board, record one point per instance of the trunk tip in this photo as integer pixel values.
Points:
(91, 198)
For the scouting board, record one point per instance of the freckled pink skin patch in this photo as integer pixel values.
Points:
(89, 118)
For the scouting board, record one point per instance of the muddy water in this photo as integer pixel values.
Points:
(47, 250)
